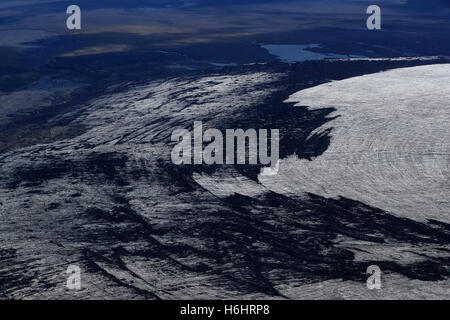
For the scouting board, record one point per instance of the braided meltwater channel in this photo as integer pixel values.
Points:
(390, 143)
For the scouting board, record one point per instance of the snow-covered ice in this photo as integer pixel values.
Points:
(390, 145)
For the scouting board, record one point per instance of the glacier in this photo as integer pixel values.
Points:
(390, 143)
(111, 201)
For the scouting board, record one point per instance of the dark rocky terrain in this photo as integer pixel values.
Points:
(110, 201)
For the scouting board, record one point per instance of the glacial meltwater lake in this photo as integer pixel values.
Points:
(298, 53)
